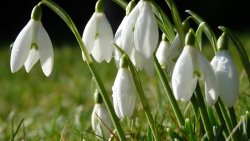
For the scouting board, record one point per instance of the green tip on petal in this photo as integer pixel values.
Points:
(190, 38)
(36, 13)
(130, 6)
(222, 43)
(98, 97)
(124, 62)
(99, 6)
(164, 37)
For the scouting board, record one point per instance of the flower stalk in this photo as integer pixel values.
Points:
(169, 93)
(141, 94)
(204, 114)
(66, 18)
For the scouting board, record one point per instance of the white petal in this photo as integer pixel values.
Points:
(137, 59)
(146, 32)
(97, 51)
(32, 59)
(211, 89)
(100, 120)
(183, 79)
(119, 31)
(163, 52)
(127, 35)
(89, 33)
(227, 77)
(115, 102)
(173, 53)
(124, 93)
(103, 48)
(45, 51)
(176, 46)
(93, 117)
(21, 47)
(117, 57)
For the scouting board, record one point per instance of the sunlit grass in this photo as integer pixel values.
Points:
(60, 106)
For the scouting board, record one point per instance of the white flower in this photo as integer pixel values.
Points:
(175, 51)
(97, 37)
(142, 63)
(163, 52)
(227, 77)
(146, 32)
(124, 93)
(138, 36)
(191, 66)
(100, 120)
(32, 43)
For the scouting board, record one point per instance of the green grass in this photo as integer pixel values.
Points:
(59, 107)
(50, 105)
(56, 107)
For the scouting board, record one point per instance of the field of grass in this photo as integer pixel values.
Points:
(59, 107)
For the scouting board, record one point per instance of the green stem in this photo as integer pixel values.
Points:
(233, 116)
(226, 117)
(195, 107)
(143, 99)
(66, 18)
(177, 20)
(121, 3)
(196, 112)
(222, 121)
(169, 93)
(234, 120)
(203, 112)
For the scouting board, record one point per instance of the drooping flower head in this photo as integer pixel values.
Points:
(32, 43)
(226, 73)
(98, 35)
(146, 32)
(164, 52)
(100, 119)
(124, 97)
(138, 35)
(191, 66)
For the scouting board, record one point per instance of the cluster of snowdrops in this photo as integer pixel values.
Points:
(137, 46)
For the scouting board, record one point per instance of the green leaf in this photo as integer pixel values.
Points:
(121, 3)
(207, 30)
(243, 54)
(150, 135)
(198, 35)
(219, 134)
(177, 20)
(163, 21)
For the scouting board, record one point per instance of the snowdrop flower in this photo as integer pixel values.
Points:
(146, 32)
(124, 97)
(100, 119)
(163, 52)
(32, 43)
(98, 35)
(138, 35)
(174, 53)
(225, 72)
(191, 66)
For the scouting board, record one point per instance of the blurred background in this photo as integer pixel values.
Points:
(15, 15)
